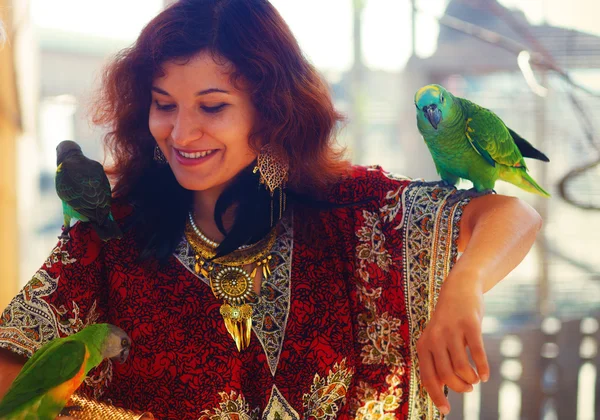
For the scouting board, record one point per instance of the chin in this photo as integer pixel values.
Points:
(195, 185)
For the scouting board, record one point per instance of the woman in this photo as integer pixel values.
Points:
(261, 275)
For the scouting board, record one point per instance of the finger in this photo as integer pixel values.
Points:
(475, 344)
(445, 371)
(460, 361)
(432, 383)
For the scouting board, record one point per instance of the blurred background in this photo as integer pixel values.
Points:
(536, 63)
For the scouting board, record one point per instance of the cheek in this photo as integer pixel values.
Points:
(160, 127)
(241, 144)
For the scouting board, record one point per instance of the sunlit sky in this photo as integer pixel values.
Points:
(323, 27)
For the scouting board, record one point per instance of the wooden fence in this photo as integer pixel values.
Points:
(547, 373)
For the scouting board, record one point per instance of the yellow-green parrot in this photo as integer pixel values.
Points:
(55, 371)
(471, 142)
(84, 190)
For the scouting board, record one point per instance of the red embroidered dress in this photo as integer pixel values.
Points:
(334, 329)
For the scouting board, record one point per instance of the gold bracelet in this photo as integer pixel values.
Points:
(88, 409)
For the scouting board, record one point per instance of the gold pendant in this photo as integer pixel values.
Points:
(233, 284)
(230, 282)
(199, 267)
(238, 321)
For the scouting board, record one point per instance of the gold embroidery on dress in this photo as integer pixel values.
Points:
(371, 248)
(379, 333)
(58, 254)
(30, 321)
(233, 406)
(381, 405)
(328, 394)
(430, 229)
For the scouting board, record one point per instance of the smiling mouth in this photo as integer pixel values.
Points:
(195, 155)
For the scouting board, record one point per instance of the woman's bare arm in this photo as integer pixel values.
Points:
(10, 366)
(496, 232)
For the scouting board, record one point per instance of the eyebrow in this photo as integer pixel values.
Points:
(202, 92)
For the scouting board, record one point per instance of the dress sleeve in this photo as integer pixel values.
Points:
(403, 242)
(429, 223)
(66, 294)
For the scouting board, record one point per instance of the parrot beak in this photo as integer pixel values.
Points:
(433, 115)
(122, 357)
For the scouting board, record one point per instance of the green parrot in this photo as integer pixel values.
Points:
(55, 371)
(84, 190)
(471, 142)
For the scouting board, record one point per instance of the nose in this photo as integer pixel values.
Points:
(187, 127)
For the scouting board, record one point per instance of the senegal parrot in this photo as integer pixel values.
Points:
(471, 142)
(84, 190)
(55, 371)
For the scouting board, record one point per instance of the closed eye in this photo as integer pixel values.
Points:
(208, 109)
(213, 109)
(165, 108)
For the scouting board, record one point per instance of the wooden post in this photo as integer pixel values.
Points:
(413, 22)
(569, 361)
(358, 105)
(10, 127)
(544, 306)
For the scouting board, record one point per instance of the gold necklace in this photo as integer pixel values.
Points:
(230, 281)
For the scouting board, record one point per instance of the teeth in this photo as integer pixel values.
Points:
(196, 155)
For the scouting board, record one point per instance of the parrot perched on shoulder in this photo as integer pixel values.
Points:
(55, 371)
(471, 142)
(84, 190)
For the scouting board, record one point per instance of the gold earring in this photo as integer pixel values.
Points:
(274, 168)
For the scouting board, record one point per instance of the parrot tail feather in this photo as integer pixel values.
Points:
(520, 178)
(109, 230)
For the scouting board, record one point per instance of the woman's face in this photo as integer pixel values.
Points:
(201, 123)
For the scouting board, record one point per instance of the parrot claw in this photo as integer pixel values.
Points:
(64, 236)
(65, 233)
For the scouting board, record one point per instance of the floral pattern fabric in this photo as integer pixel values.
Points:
(334, 329)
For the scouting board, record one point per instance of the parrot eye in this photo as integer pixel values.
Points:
(124, 343)
(442, 98)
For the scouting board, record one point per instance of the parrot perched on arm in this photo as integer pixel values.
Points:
(55, 371)
(471, 142)
(84, 190)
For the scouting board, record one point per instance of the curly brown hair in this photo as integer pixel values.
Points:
(294, 108)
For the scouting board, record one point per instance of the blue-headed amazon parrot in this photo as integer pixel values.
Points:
(471, 142)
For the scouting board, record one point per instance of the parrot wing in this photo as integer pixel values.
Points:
(83, 185)
(36, 356)
(526, 148)
(490, 137)
(55, 367)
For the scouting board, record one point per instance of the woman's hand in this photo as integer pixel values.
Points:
(442, 348)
